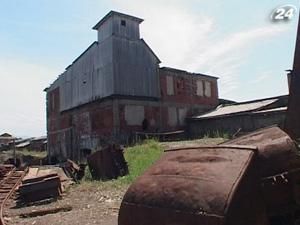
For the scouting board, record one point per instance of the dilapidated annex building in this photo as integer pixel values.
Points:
(116, 87)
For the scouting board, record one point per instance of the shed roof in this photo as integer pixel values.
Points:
(112, 13)
(23, 144)
(237, 108)
(39, 138)
(5, 135)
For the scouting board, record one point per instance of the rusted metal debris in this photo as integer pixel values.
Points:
(249, 180)
(9, 181)
(72, 170)
(108, 163)
(47, 182)
(40, 188)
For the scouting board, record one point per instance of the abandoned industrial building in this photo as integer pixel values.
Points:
(116, 87)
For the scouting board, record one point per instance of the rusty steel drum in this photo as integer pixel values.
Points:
(248, 180)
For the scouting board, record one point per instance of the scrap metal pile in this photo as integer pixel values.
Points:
(46, 182)
(39, 187)
(10, 178)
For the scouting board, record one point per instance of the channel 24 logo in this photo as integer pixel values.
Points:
(283, 13)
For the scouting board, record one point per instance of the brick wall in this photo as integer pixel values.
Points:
(184, 87)
(95, 123)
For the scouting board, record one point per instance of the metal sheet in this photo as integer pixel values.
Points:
(277, 152)
(237, 108)
(194, 186)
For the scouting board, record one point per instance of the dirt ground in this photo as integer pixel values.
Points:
(92, 203)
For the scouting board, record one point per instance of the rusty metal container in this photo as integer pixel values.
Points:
(188, 186)
(278, 169)
(230, 184)
(108, 163)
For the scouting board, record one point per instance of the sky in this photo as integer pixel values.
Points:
(235, 41)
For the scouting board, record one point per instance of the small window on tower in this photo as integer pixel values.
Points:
(123, 23)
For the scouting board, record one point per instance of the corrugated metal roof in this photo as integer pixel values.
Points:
(39, 138)
(186, 72)
(272, 110)
(23, 145)
(237, 108)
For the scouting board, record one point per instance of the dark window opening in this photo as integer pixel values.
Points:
(123, 23)
(145, 124)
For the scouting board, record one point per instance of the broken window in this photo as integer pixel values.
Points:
(134, 115)
(180, 86)
(207, 89)
(182, 112)
(172, 116)
(199, 84)
(123, 23)
(170, 85)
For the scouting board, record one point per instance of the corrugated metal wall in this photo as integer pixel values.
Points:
(119, 64)
(90, 77)
(130, 31)
(135, 69)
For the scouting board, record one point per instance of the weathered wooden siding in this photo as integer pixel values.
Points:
(119, 64)
(90, 77)
(105, 31)
(130, 31)
(135, 69)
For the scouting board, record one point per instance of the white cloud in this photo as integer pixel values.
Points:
(170, 27)
(225, 57)
(22, 100)
(185, 39)
(264, 76)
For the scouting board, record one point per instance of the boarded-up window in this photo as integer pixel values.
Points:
(199, 88)
(182, 116)
(207, 89)
(172, 116)
(134, 115)
(170, 85)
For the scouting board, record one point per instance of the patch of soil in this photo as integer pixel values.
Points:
(91, 202)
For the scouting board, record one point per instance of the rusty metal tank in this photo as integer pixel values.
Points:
(249, 180)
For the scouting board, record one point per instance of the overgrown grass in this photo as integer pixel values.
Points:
(139, 158)
(217, 134)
